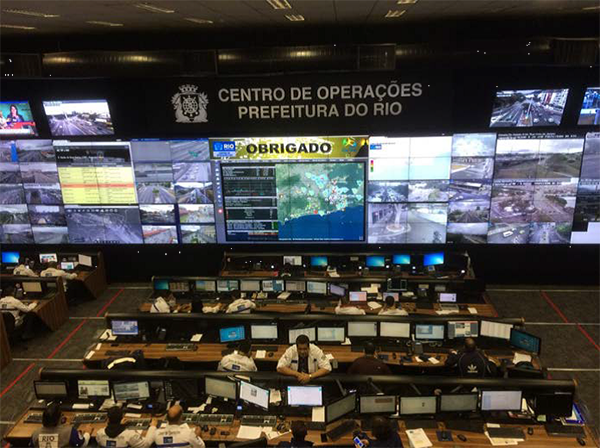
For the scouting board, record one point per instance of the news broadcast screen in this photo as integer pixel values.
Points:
(16, 119)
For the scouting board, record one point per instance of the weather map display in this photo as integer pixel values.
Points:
(528, 108)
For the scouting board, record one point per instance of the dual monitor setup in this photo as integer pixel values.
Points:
(66, 262)
(373, 262)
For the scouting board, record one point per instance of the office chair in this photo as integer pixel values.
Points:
(9, 324)
(261, 442)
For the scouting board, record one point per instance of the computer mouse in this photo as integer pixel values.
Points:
(530, 431)
(462, 438)
(63, 420)
(213, 431)
(581, 441)
(270, 355)
(204, 427)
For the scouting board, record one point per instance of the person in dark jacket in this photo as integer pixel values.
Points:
(385, 436)
(470, 361)
(369, 364)
(299, 432)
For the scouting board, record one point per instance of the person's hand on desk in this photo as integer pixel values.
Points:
(303, 378)
(198, 431)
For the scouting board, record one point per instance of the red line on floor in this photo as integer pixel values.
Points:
(55, 351)
(17, 379)
(109, 302)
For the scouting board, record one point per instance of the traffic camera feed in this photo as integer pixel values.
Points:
(528, 108)
(79, 117)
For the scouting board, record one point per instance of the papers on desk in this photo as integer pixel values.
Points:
(499, 441)
(98, 347)
(274, 434)
(81, 406)
(433, 361)
(132, 415)
(373, 289)
(444, 312)
(347, 341)
(408, 294)
(284, 295)
(519, 357)
(275, 396)
(196, 338)
(333, 274)
(252, 432)
(374, 305)
(90, 354)
(108, 336)
(418, 439)
(318, 414)
(472, 310)
(260, 354)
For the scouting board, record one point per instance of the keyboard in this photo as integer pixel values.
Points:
(117, 352)
(90, 418)
(215, 419)
(34, 418)
(316, 426)
(390, 348)
(365, 425)
(499, 352)
(341, 430)
(259, 420)
(268, 348)
(190, 418)
(506, 433)
(422, 423)
(357, 348)
(181, 347)
(138, 423)
(465, 425)
(560, 430)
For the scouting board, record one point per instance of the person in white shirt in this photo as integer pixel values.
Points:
(304, 360)
(24, 270)
(239, 361)
(390, 308)
(176, 434)
(345, 307)
(116, 435)
(21, 312)
(240, 306)
(53, 271)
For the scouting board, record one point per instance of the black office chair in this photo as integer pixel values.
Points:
(9, 324)
(258, 443)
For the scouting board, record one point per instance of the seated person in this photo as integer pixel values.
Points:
(369, 364)
(385, 436)
(53, 271)
(240, 360)
(161, 305)
(116, 434)
(24, 319)
(304, 360)
(177, 434)
(25, 269)
(240, 306)
(470, 361)
(56, 435)
(345, 307)
(390, 309)
(299, 432)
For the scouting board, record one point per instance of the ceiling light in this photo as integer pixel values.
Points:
(591, 8)
(30, 13)
(152, 8)
(394, 13)
(295, 18)
(99, 22)
(17, 27)
(406, 2)
(200, 21)
(279, 4)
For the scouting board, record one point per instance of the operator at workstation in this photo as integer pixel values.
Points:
(471, 362)
(304, 360)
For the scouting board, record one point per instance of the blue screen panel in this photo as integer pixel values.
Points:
(375, 261)
(232, 334)
(433, 259)
(319, 261)
(162, 285)
(10, 257)
(401, 259)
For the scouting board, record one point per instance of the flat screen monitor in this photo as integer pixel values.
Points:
(433, 259)
(394, 330)
(273, 285)
(182, 286)
(220, 388)
(295, 286)
(316, 287)
(589, 114)
(18, 119)
(458, 402)
(206, 285)
(131, 391)
(495, 330)
(47, 258)
(501, 400)
(447, 297)
(358, 296)
(429, 332)
(228, 285)
(362, 329)
(124, 327)
(232, 334)
(254, 395)
(293, 334)
(418, 405)
(339, 408)
(397, 284)
(258, 331)
(375, 261)
(294, 260)
(93, 388)
(67, 265)
(337, 290)
(525, 341)
(84, 260)
(305, 396)
(78, 117)
(377, 404)
(319, 262)
(250, 285)
(32, 286)
(556, 404)
(331, 334)
(400, 259)
(49, 390)
(528, 108)
(10, 257)
(395, 295)
(463, 329)
(161, 285)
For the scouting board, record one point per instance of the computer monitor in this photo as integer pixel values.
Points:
(525, 341)
(418, 405)
(362, 329)
(67, 265)
(32, 287)
(295, 286)
(180, 286)
(395, 295)
(316, 287)
(377, 404)
(459, 402)
(232, 334)
(400, 259)
(161, 285)
(220, 388)
(47, 258)
(331, 334)
(395, 330)
(228, 285)
(266, 331)
(50, 390)
(433, 259)
(250, 285)
(495, 330)
(319, 262)
(339, 408)
(463, 329)
(124, 327)
(429, 332)
(10, 257)
(375, 261)
(131, 391)
(397, 284)
(556, 404)
(254, 395)
(294, 260)
(447, 297)
(501, 400)
(305, 396)
(337, 290)
(293, 334)
(206, 285)
(93, 388)
(358, 296)
(273, 285)
(85, 260)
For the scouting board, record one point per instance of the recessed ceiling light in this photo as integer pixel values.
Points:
(200, 21)
(31, 13)
(279, 4)
(17, 27)
(152, 8)
(391, 14)
(99, 22)
(295, 18)
(591, 8)
(406, 2)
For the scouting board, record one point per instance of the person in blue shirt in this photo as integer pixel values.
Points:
(299, 432)
(385, 436)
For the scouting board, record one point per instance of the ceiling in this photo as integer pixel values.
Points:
(74, 15)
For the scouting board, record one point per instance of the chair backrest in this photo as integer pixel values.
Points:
(262, 442)
(9, 323)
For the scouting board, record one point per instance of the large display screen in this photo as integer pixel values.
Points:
(16, 119)
(528, 108)
(78, 117)
(590, 108)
